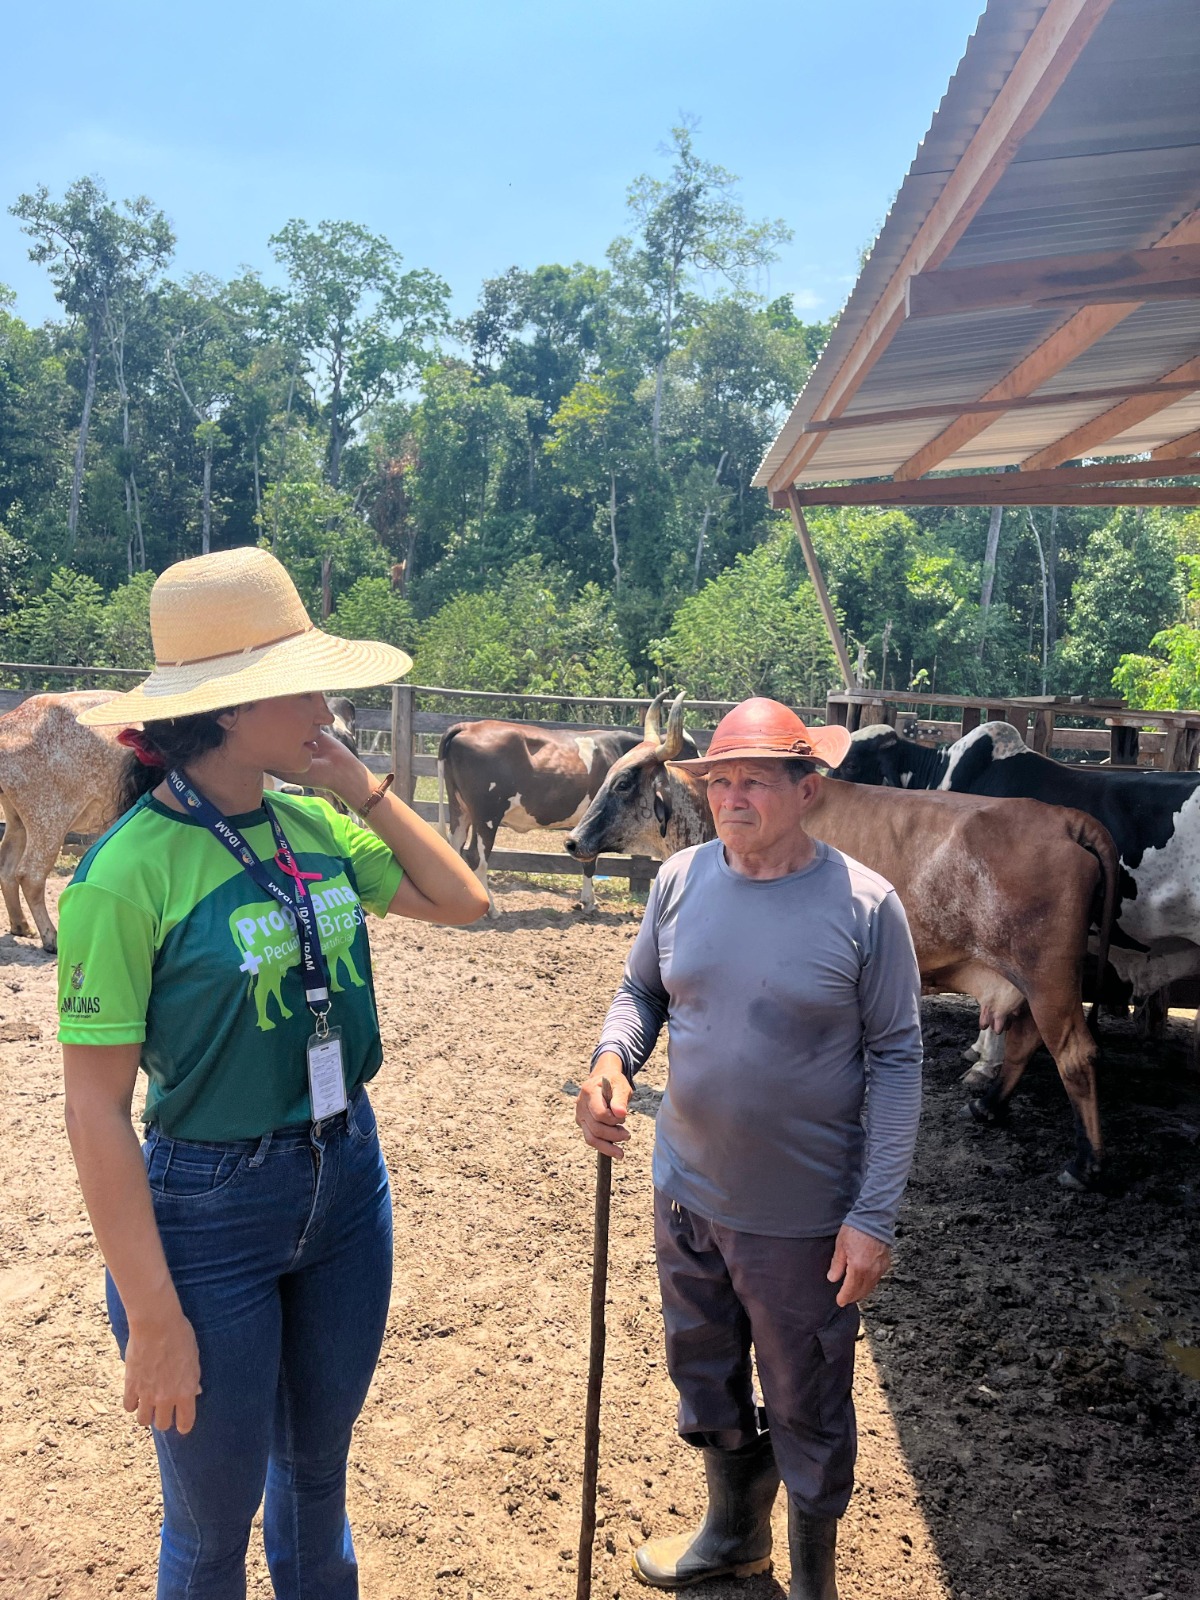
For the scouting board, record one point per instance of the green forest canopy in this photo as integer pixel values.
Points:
(552, 493)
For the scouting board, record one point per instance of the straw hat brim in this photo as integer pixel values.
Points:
(828, 746)
(305, 662)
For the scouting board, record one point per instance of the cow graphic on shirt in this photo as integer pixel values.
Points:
(265, 938)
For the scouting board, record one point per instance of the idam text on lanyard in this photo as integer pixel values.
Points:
(326, 1074)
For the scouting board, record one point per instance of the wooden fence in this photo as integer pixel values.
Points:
(411, 728)
(404, 737)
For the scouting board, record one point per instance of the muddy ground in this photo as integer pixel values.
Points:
(1029, 1383)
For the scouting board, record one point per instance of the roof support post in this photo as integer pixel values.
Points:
(818, 582)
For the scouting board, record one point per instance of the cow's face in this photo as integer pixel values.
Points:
(875, 756)
(631, 809)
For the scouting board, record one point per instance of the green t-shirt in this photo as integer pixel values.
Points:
(164, 941)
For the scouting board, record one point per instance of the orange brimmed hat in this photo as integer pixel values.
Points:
(764, 730)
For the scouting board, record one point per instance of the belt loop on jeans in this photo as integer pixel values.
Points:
(260, 1155)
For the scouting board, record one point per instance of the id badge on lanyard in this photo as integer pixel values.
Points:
(323, 1053)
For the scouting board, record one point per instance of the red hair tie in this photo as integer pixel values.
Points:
(134, 739)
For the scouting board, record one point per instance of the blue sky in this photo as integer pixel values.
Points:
(474, 136)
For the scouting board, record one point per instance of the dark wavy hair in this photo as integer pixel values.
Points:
(163, 745)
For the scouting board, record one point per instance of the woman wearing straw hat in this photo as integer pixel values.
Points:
(219, 942)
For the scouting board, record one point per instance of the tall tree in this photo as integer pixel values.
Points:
(690, 222)
(103, 260)
(204, 354)
(594, 444)
(364, 325)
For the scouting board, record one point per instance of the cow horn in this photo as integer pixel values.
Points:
(652, 729)
(671, 748)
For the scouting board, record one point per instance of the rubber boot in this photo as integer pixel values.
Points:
(813, 1545)
(734, 1540)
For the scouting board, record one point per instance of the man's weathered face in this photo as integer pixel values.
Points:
(756, 805)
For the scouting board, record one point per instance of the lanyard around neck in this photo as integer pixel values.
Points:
(299, 907)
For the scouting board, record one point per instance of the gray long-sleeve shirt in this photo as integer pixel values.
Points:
(787, 999)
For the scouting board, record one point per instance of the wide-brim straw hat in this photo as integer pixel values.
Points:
(229, 628)
(765, 730)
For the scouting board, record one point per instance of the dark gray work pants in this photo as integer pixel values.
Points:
(723, 1291)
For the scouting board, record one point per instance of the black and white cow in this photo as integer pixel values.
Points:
(507, 774)
(1153, 817)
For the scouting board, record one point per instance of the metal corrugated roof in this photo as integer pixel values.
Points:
(1112, 162)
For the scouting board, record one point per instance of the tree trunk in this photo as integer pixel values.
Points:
(326, 586)
(89, 395)
(660, 373)
(1052, 575)
(137, 523)
(1037, 539)
(989, 574)
(257, 485)
(656, 418)
(705, 519)
(336, 440)
(612, 528)
(206, 502)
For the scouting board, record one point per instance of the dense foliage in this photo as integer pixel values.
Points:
(552, 493)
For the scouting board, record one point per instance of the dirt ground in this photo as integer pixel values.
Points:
(1029, 1382)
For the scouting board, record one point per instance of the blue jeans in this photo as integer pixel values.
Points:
(280, 1249)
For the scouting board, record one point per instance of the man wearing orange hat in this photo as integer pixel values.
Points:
(788, 976)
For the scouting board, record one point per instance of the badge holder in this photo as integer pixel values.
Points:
(326, 1074)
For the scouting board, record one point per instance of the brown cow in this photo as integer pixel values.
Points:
(999, 896)
(516, 776)
(55, 778)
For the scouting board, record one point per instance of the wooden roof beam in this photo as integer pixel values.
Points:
(889, 494)
(1052, 49)
(1111, 424)
(1029, 402)
(1103, 483)
(1077, 334)
(1187, 445)
(1103, 277)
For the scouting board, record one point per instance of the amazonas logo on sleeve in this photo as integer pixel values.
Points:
(75, 1004)
(268, 947)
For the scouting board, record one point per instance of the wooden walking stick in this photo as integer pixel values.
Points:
(591, 1425)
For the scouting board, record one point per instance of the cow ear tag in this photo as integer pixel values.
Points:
(326, 1075)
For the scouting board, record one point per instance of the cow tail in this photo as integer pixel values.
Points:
(446, 791)
(1097, 840)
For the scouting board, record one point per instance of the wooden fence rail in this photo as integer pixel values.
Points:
(1174, 743)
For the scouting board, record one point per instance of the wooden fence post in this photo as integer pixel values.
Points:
(639, 882)
(1123, 743)
(402, 741)
(1043, 732)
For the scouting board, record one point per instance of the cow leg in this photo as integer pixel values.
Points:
(1020, 1040)
(485, 842)
(973, 1052)
(41, 852)
(988, 1055)
(587, 899)
(1070, 1042)
(12, 848)
(1150, 1017)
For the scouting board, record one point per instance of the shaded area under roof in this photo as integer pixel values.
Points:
(1041, 263)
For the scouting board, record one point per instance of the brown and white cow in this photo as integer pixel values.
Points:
(55, 778)
(999, 895)
(507, 774)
